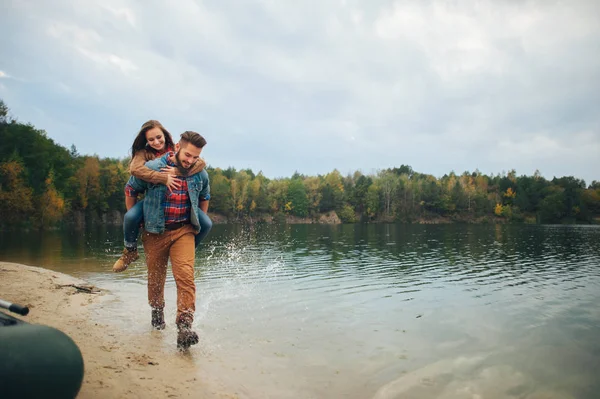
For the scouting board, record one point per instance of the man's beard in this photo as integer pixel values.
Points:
(183, 171)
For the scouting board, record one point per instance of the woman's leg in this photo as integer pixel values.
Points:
(205, 226)
(131, 225)
(131, 229)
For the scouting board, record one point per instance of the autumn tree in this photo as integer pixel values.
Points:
(259, 193)
(314, 193)
(467, 183)
(87, 182)
(332, 192)
(51, 203)
(591, 198)
(15, 196)
(239, 192)
(277, 192)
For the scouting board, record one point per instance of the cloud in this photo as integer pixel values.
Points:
(124, 13)
(107, 59)
(314, 86)
(4, 75)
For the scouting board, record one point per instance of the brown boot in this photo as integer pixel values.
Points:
(185, 336)
(128, 257)
(158, 319)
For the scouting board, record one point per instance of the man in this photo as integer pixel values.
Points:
(171, 221)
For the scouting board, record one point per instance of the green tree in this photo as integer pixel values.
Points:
(347, 214)
(552, 207)
(332, 192)
(373, 201)
(388, 183)
(359, 198)
(220, 193)
(3, 113)
(297, 196)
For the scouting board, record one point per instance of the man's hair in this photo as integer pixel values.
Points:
(192, 138)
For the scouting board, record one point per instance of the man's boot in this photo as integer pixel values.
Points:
(185, 336)
(129, 256)
(158, 319)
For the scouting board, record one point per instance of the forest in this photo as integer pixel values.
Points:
(45, 185)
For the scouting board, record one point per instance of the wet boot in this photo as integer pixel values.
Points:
(158, 319)
(185, 336)
(129, 256)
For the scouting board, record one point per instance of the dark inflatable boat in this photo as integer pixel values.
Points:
(36, 361)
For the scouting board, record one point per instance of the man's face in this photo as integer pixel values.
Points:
(187, 155)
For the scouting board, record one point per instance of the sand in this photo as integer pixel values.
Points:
(118, 364)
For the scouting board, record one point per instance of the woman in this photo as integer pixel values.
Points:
(152, 141)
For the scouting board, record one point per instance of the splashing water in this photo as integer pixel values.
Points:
(234, 269)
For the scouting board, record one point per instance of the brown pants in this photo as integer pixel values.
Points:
(179, 246)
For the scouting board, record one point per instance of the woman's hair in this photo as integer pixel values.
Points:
(140, 141)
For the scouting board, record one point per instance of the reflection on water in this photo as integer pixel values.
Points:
(384, 311)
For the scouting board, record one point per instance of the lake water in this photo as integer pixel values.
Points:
(370, 311)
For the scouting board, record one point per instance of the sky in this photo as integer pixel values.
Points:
(312, 86)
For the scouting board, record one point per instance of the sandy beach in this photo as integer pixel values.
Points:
(117, 364)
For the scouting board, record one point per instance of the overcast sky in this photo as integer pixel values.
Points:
(309, 86)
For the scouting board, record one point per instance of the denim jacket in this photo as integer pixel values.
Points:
(154, 215)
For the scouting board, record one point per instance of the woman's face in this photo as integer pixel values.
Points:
(156, 138)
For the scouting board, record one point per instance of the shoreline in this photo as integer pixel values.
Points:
(117, 364)
(115, 218)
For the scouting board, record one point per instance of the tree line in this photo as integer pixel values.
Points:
(43, 184)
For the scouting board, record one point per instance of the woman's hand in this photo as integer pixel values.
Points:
(173, 183)
(170, 170)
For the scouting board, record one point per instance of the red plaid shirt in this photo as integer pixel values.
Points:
(158, 154)
(176, 204)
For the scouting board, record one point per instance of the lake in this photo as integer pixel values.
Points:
(370, 311)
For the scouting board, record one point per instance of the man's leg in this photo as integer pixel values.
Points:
(156, 247)
(182, 254)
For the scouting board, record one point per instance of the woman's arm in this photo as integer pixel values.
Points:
(197, 167)
(138, 169)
